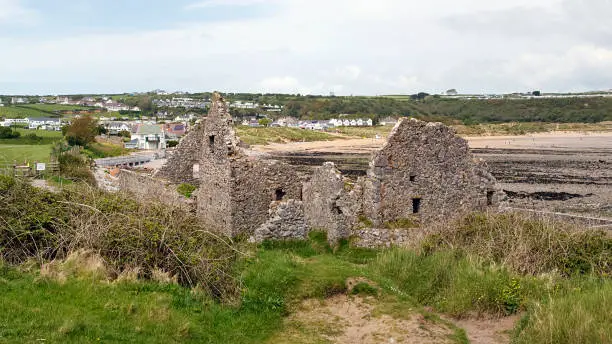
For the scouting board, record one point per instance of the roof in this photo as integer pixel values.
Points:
(148, 129)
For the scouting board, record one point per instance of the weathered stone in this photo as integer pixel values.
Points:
(235, 189)
(425, 173)
(286, 222)
(331, 203)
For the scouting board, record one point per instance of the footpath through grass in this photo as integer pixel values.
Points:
(278, 276)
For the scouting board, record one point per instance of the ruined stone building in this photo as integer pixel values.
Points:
(235, 188)
(424, 174)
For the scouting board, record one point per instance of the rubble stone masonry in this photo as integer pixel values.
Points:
(425, 173)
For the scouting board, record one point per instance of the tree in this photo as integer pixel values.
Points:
(536, 93)
(82, 131)
(264, 122)
(145, 104)
(8, 133)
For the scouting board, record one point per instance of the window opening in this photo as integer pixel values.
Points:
(416, 205)
(279, 194)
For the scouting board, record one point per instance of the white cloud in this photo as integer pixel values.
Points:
(341, 46)
(13, 11)
(219, 3)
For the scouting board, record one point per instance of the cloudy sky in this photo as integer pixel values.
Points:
(361, 47)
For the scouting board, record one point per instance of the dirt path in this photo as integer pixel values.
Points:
(349, 320)
(488, 331)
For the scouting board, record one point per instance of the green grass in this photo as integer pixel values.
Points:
(83, 310)
(366, 132)
(56, 107)
(21, 112)
(104, 150)
(41, 133)
(262, 136)
(580, 316)
(30, 153)
(278, 276)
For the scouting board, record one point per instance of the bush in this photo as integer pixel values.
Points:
(171, 144)
(8, 133)
(186, 189)
(75, 168)
(127, 234)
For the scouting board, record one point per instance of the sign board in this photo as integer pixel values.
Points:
(40, 166)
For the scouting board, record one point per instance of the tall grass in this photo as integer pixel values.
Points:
(527, 245)
(581, 316)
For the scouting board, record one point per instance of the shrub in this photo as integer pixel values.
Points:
(171, 144)
(127, 234)
(8, 133)
(186, 189)
(75, 168)
(82, 131)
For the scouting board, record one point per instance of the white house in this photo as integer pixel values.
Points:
(45, 123)
(115, 128)
(11, 121)
(147, 136)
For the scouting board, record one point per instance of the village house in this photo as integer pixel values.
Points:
(45, 123)
(12, 121)
(147, 136)
(114, 128)
(175, 129)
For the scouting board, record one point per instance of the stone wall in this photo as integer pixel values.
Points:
(255, 183)
(425, 173)
(331, 202)
(147, 188)
(179, 167)
(286, 222)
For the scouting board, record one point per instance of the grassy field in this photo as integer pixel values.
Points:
(21, 112)
(366, 132)
(56, 107)
(24, 153)
(258, 136)
(42, 133)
